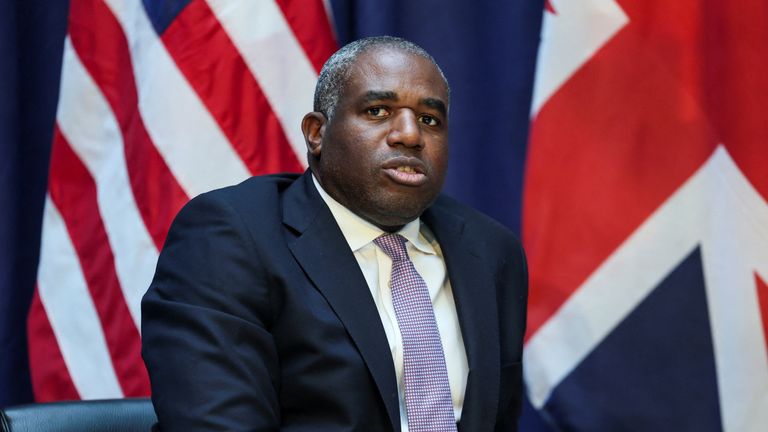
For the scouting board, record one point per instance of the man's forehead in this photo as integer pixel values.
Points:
(384, 69)
(383, 59)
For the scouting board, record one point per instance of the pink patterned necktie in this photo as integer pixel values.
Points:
(428, 401)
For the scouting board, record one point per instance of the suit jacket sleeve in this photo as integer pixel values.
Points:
(205, 326)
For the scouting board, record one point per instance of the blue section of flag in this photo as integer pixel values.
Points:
(642, 377)
(29, 83)
(162, 13)
(487, 51)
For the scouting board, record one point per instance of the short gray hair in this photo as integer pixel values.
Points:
(335, 71)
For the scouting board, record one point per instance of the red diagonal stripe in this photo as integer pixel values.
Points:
(309, 21)
(73, 190)
(50, 377)
(101, 45)
(213, 66)
(548, 6)
(762, 298)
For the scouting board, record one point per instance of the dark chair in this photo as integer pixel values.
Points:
(109, 415)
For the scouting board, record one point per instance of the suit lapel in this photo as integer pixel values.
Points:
(325, 256)
(473, 291)
(321, 250)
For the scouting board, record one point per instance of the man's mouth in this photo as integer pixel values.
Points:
(406, 171)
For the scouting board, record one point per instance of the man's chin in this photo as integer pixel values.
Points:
(392, 218)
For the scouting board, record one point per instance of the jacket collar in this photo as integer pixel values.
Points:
(323, 253)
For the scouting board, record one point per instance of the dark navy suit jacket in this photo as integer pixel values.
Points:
(259, 318)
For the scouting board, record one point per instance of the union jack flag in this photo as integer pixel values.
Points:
(645, 217)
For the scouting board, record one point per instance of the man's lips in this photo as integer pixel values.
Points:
(406, 171)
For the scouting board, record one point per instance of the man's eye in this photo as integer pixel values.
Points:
(377, 111)
(429, 120)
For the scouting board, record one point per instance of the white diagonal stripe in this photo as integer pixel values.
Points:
(275, 58)
(598, 306)
(95, 137)
(734, 233)
(71, 312)
(569, 38)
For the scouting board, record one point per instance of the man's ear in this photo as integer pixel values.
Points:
(313, 127)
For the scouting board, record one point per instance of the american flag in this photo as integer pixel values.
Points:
(646, 217)
(159, 101)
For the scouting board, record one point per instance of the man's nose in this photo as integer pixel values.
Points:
(405, 130)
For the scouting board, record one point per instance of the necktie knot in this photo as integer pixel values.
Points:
(393, 245)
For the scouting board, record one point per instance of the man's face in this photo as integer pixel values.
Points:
(384, 154)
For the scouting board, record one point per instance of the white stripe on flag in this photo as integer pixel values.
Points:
(71, 312)
(189, 139)
(95, 137)
(733, 224)
(569, 38)
(608, 295)
(276, 59)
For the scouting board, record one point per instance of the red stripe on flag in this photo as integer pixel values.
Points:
(73, 190)
(50, 377)
(313, 33)
(762, 300)
(101, 45)
(548, 6)
(213, 66)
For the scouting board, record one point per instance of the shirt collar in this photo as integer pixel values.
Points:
(358, 232)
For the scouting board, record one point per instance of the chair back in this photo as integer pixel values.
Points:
(109, 415)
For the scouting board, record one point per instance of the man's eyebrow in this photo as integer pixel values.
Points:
(377, 95)
(435, 104)
(384, 95)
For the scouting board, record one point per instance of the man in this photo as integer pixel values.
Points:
(352, 297)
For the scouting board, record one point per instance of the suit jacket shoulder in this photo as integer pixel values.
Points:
(483, 227)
